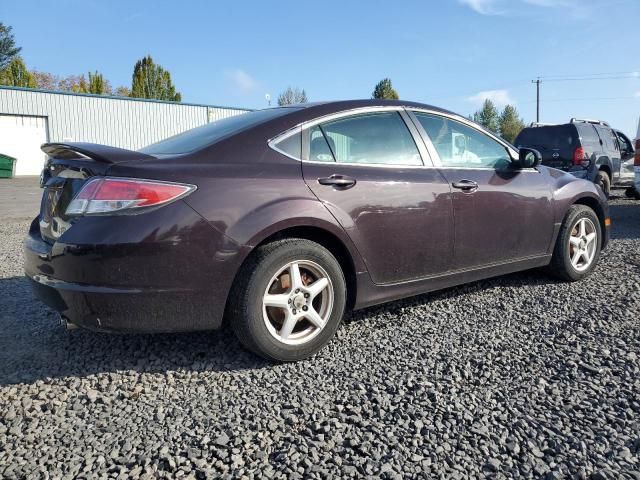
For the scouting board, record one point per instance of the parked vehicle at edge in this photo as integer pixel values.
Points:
(636, 164)
(588, 149)
(279, 220)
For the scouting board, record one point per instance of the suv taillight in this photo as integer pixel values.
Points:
(112, 195)
(636, 160)
(580, 157)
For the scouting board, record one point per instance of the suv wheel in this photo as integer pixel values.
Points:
(632, 192)
(604, 182)
(288, 300)
(577, 248)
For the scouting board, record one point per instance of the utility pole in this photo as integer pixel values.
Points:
(537, 82)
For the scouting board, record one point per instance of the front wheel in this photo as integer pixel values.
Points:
(288, 299)
(577, 248)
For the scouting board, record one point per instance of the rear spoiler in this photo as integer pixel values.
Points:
(94, 151)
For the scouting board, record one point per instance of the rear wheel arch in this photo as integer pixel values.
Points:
(326, 239)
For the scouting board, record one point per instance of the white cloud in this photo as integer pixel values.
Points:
(483, 7)
(637, 94)
(500, 98)
(550, 3)
(502, 7)
(241, 80)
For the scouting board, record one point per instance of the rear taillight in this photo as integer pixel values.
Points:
(636, 159)
(580, 157)
(110, 195)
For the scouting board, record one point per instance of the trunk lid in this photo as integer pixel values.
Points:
(70, 165)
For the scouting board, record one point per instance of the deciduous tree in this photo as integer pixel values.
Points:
(291, 96)
(17, 75)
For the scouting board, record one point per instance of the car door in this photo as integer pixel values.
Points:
(367, 168)
(627, 154)
(500, 214)
(609, 144)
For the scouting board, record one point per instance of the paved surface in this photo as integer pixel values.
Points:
(515, 377)
(19, 197)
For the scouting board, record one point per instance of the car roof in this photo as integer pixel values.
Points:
(369, 102)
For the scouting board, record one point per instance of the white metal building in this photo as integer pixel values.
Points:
(29, 118)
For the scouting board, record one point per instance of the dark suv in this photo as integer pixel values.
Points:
(588, 149)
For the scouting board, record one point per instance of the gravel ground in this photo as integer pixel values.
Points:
(519, 376)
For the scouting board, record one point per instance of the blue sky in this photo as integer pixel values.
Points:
(450, 53)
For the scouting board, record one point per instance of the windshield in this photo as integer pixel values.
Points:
(200, 137)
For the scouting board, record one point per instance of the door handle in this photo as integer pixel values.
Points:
(338, 181)
(467, 186)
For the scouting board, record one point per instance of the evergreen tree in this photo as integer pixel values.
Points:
(8, 49)
(510, 123)
(384, 90)
(98, 85)
(487, 116)
(17, 75)
(291, 96)
(150, 80)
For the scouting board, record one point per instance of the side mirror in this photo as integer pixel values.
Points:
(529, 158)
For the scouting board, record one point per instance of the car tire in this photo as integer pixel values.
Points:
(604, 182)
(279, 314)
(574, 256)
(632, 192)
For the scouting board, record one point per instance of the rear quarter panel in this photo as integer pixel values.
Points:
(247, 194)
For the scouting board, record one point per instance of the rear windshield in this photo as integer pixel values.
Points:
(200, 137)
(547, 138)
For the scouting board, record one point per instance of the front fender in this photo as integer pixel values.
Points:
(569, 190)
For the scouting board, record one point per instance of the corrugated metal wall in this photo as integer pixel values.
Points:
(122, 122)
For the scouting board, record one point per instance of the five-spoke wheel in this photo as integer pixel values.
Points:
(578, 245)
(298, 302)
(583, 244)
(288, 299)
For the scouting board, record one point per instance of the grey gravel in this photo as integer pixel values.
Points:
(520, 376)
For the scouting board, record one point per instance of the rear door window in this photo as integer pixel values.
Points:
(609, 140)
(371, 138)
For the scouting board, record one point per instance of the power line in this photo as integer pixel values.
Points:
(572, 79)
(578, 78)
(633, 73)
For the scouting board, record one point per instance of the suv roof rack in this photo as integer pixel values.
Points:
(588, 120)
(540, 124)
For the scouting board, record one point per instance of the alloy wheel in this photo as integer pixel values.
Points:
(583, 244)
(297, 302)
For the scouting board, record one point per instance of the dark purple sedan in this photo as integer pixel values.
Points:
(279, 220)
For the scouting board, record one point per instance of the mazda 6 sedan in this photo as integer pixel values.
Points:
(279, 220)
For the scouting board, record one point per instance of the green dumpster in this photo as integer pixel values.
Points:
(7, 165)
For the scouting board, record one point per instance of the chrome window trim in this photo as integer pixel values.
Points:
(468, 123)
(433, 156)
(301, 127)
(283, 136)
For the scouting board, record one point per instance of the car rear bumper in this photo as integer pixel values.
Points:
(149, 286)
